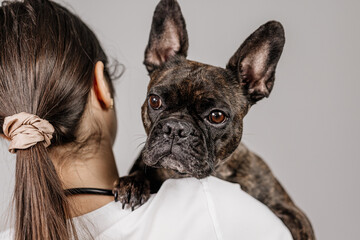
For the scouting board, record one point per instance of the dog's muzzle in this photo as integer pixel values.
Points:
(176, 144)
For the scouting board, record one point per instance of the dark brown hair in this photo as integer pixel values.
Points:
(47, 60)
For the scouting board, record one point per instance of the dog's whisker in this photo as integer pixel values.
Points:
(138, 138)
(212, 167)
(141, 144)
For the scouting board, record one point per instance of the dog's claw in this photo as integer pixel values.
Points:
(116, 196)
(132, 190)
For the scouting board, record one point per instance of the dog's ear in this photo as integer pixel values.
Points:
(255, 61)
(168, 35)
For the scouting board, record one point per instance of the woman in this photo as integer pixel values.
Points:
(56, 110)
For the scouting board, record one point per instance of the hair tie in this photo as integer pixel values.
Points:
(25, 130)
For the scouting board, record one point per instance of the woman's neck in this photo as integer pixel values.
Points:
(92, 167)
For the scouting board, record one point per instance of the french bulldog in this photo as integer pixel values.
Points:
(193, 116)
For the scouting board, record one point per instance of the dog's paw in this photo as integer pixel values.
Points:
(132, 190)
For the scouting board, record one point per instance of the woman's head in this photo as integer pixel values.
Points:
(47, 64)
(47, 68)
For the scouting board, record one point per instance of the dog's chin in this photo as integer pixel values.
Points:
(171, 162)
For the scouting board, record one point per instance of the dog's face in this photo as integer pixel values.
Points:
(193, 112)
(193, 115)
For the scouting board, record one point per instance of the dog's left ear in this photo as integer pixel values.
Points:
(255, 61)
(168, 35)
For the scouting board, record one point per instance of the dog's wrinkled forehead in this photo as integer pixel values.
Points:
(184, 81)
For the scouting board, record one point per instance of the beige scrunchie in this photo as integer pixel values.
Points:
(25, 130)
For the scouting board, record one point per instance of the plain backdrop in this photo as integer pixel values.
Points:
(307, 130)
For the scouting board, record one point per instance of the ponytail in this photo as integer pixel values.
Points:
(42, 210)
(41, 206)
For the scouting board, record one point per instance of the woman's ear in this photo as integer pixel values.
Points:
(101, 87)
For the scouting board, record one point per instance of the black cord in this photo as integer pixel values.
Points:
(96, 191)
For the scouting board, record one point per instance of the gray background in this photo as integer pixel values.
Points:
(307, 131)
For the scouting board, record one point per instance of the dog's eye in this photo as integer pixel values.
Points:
(155, 101)
(217, 117)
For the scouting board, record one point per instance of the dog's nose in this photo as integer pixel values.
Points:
(177, 128)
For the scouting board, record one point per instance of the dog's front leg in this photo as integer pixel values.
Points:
(133, 189)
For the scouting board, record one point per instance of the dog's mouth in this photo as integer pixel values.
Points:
(179, 160)
(169, 161)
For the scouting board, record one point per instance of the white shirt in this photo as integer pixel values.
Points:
(186, 209)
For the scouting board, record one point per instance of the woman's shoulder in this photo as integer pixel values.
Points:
(177, 211)
(189, 208)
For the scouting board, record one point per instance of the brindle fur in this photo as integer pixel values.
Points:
(189, 90)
